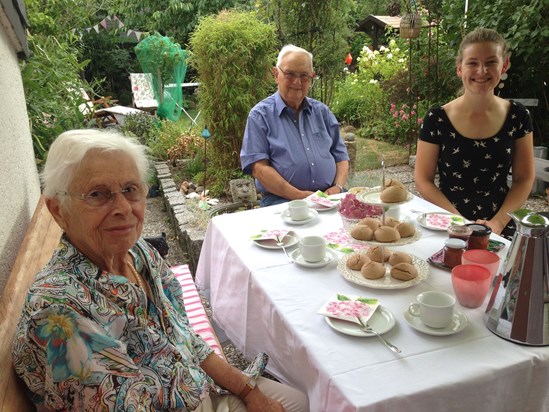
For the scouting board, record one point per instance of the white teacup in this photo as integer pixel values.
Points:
(312, 248)
(434, 308)
(299, 209)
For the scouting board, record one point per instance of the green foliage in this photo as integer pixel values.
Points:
(175, 19)
(142, 126)
(51, 81)
(233, 53)
(320, 26)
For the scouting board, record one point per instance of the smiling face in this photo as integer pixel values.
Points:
(481, 67)
(106, 232)
(293, 91)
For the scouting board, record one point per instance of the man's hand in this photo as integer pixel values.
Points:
(256, 401)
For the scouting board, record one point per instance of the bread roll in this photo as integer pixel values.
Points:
(394, 182)
(371, 222)
(378, 254)
(406, 229)
(386, 234)
(391, 221)
(373, 270)
(362, 232)
(357, 260)
(399, 257)
(393, 194)
(404, 271)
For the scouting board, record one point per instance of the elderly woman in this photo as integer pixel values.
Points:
(104, 327)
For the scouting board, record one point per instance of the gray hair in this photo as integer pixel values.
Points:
(290, 48)
(68, 150)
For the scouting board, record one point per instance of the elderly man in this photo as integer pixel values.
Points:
(292, 145)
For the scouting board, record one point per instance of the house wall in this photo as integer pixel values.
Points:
(19, 183)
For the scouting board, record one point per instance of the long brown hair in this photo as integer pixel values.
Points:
(482, 35)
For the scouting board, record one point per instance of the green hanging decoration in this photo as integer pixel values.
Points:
(166, 62)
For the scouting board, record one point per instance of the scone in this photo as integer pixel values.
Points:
(406, 229)
(362, 232)
(391, 221)
(393, 194)
(399, 257)
(371, 222)
(394, 182)
(357, 260)
(386, 234)
(378, 254)
(404, 271)
(373, 270)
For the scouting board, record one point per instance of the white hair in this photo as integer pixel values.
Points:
(68, 150)
(290, 48)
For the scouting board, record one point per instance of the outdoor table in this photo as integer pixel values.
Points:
(265, 304)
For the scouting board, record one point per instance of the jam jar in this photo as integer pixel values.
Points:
(453, 249)
(460, 232)
(480, 237)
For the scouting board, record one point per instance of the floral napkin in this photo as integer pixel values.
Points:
(275, 234)
(350, 308)
(342, 242)
(321, 198)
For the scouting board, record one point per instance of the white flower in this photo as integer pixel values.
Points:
(390, 56)
(382, 49)
(373, 81)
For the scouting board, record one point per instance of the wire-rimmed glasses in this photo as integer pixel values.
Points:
(303, 77)
(133, 192)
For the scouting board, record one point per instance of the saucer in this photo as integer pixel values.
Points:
(287, 219)
(382, 321)
(321, 208)
(459, 322)
(296, 256)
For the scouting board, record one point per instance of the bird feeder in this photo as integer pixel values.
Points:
(410, 25)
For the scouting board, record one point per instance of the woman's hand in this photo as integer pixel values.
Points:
(257, 401)
(493, 224)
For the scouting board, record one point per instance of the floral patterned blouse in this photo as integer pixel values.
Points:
(473, 172)
(87, 342)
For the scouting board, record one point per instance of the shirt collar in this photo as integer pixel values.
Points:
(280, 105)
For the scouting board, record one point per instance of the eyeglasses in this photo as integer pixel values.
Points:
(133, 192)
(289, 75)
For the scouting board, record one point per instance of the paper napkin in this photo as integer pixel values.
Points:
(276, 234)
(321, 198)
(442, 221)
(349, 308)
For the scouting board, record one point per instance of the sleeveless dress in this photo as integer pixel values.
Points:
(473, 172)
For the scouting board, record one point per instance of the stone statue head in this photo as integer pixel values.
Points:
(243, 190)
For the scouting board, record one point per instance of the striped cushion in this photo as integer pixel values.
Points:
(195, 310)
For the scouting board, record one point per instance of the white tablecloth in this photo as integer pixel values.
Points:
(263, 303)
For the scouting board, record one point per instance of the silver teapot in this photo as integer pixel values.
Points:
(518, 309)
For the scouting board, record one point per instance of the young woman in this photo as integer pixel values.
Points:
(476, 139)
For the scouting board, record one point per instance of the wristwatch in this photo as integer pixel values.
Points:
(341, 189)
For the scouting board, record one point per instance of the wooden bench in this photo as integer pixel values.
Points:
(40, 241)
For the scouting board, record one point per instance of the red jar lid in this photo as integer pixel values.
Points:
(479, 229)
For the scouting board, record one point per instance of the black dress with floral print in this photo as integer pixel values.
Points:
(473, 172)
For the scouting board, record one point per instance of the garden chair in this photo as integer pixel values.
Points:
(142, 92)
(102, 109)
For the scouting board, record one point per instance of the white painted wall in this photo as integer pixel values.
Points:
(19, 183)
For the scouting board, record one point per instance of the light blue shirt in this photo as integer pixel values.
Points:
(304, 152)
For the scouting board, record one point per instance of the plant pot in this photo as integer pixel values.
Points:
(410, 25)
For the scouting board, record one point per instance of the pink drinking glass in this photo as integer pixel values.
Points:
(471, 284)
(489, 260)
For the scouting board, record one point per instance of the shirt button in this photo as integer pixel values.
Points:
(308, 149)
(312, 164)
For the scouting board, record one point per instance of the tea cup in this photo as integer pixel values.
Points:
(298, 209)
(312, 248)
(434, 308)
